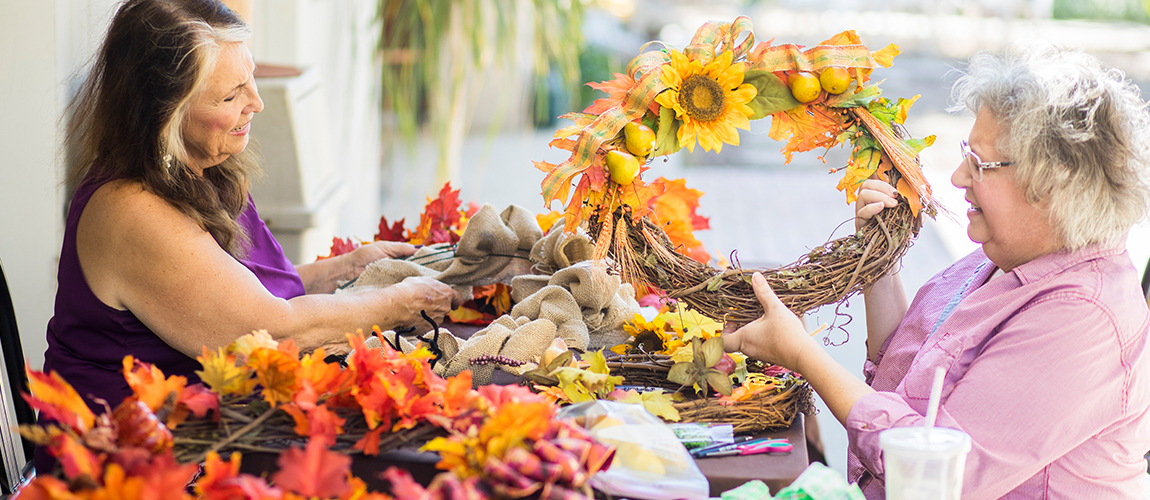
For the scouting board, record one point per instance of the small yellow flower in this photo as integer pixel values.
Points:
(709, 101)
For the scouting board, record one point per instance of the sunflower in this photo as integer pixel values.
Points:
(710, 101)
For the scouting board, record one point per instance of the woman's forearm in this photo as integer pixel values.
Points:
(837, 386)
(323, 276)
(886, 305)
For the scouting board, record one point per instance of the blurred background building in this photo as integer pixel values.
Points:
(373, 104)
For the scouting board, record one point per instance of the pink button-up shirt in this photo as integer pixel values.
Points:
(1048, 370)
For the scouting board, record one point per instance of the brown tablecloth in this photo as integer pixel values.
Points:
(777, 470)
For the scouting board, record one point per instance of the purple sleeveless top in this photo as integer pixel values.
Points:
(87, 339)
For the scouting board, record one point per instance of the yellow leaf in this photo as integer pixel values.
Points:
(222, 374)
(885, 56)
(904, 108)
(657, 402)
(548, 219)
(691, 324)
(598, 362)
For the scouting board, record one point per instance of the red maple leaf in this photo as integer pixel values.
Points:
(57, 400)
(196, 399)
(166, 478)
(402, 485)
(390, 233)
(442, 214)
(313, 472)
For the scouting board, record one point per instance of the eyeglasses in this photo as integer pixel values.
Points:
(976, 165)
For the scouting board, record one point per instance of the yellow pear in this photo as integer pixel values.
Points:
(622, 167)
(640, 138)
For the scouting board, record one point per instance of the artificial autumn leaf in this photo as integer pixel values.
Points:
(458, 396)
(547, 220)
(863, 164)
(46, 487)
(885, 56)
(166, 478)
(222, 374)
(313, 472)
(773, 94)
(56, 400)
(339, 247)
(499, 395)
(616, 92)
(195, 399)
(690, 324)
(753, 385)
(324, 425)
(119, 485)
(657, 402)
(77, 460)
(369, 443)
(675, 210)
(149, 384)
(275, 371)
(218, 479)
(325, 378)
(258, 339)
(394, 232)
(806, 128)
(402, 485)
(667, 133)
(468, 316)
(438, 217)
(584, 385)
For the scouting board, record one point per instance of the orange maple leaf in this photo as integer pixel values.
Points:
(369, 443)
(275, 371)
(57, 400)
(806, 128)
(45, 487)
(166, 478)
(218, 476)
(676, 209)
(149, 384)
(326, 378)
(314, 472)
(616, 92)
(339, 247)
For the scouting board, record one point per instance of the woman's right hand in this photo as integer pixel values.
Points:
(874, 196)
(419, 293)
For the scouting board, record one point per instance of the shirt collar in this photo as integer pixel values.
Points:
(1055, 262)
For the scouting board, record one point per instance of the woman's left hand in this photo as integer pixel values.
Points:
(778, 337)
(366, 254)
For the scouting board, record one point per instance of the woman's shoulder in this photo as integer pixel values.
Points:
(123, 217)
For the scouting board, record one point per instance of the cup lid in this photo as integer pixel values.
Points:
(936, 440)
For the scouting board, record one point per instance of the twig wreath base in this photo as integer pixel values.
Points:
(249, 424)
(644, 255)
(772, 409)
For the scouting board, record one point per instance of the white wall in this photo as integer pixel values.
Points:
(338, 38)
(43, 44)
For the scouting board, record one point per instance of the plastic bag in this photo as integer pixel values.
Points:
(650, 462)
(696, 435)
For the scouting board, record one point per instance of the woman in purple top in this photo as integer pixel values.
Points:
(1043, 330)
(164, 254)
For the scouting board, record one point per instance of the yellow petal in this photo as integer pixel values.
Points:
(670, 76)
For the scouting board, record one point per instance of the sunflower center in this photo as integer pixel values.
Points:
(701, 98)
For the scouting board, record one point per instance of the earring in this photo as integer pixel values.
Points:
(166, 159)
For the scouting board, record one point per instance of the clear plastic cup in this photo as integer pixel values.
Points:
(924, 464)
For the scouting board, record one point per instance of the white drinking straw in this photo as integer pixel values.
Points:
(935, 396)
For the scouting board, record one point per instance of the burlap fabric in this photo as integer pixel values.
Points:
(495, 247)
(521, 339)
(560, 249)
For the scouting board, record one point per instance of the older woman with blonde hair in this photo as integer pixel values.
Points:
(1043, 330)
(164, 254)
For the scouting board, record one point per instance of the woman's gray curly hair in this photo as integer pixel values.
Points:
(1078, 132)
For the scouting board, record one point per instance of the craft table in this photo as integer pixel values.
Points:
(777, 470)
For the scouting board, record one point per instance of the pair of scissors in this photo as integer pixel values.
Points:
(753, 447)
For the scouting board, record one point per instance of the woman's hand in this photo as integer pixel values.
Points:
(874, 196)
(419, 293)
(778, 337)
(359, 258)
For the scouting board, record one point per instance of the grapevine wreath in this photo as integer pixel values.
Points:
(817, 97)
